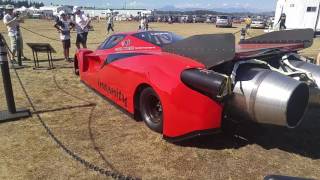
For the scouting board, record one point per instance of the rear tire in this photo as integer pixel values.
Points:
(151, 110)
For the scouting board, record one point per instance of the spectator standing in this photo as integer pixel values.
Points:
(82, 23)
(282, 21)
(248, 22)
(144, 25)
(170, 20)
(110, 23)
(12, 22)
(64, 26)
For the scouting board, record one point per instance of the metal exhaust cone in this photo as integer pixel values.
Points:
(268, 97)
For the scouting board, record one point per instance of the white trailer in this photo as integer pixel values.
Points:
(101, 14)
(300, 14)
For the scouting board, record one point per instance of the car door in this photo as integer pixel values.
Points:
(108, 76)
(94, 61)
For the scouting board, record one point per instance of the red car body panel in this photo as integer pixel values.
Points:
(184, 110)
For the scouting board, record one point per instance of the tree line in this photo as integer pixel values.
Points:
(24, 3)
(206, 12)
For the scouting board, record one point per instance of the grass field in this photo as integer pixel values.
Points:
(111, 139)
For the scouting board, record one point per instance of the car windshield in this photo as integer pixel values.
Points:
(223, 17)
(159, 38)
(112, 41)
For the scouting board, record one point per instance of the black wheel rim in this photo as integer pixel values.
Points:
(154, 109)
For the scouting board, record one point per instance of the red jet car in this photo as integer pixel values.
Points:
(183, 87)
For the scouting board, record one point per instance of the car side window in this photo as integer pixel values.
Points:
(112, 41)
(147, 37)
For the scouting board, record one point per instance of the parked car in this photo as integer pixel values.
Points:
(151, 19)
(210, 19)
(237, 20)
(258, 24)
(186, 19)
(224, 21)
(181, 92)
(199, 19)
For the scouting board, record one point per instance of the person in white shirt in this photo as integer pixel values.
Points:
(12, 22)
(110, 23)
(82, 23)
(64, 26)
(143, 24)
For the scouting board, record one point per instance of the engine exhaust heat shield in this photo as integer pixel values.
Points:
(268, 97)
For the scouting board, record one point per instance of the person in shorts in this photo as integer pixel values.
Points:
(64, 26)
(82, 24)
(12, 22)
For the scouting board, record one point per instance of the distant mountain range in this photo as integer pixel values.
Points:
(223, 10)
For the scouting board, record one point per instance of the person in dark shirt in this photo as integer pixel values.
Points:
(282, 21)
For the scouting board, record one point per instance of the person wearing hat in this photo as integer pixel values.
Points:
(12, 23)
(82, 23)
(64, 26)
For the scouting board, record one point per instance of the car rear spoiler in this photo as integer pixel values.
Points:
(296, 36)
(208, 49)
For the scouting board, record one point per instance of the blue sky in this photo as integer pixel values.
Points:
(208, 4)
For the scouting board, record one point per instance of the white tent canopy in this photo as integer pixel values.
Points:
(22, 9)
(33, 9)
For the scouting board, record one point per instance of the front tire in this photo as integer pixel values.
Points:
(151, 110)
(76, 68)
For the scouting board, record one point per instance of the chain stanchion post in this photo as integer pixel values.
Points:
(12, 113)
(19, 48)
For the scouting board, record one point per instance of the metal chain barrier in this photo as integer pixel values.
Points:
(47, 37)
(75, 156)
(50, 38)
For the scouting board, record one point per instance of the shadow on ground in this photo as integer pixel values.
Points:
(304, 140)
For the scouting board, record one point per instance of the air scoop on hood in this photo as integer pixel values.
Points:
(209, 49)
